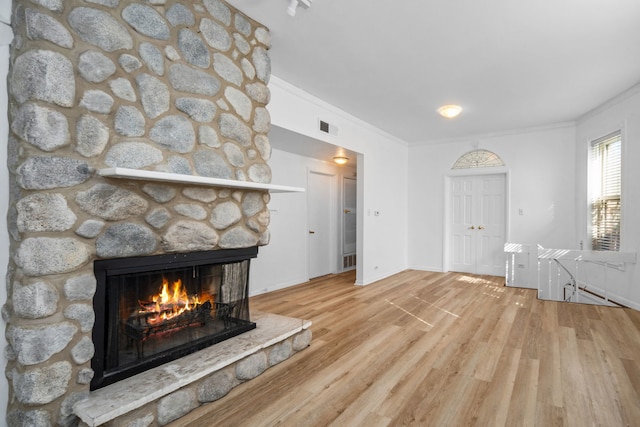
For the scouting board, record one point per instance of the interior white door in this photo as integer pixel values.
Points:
(478, 224)
(463, 231)
(319, 203)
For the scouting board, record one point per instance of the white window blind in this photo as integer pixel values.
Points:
(606, 181)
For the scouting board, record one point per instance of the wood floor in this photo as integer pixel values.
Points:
(434, 349)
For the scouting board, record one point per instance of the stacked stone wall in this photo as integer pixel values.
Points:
(170, 86)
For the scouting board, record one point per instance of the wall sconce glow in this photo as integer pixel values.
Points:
(341, 160)
(449, 111)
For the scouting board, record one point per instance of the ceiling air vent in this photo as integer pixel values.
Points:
(328, 128)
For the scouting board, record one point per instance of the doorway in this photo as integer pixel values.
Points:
(477, 224)
(349, 223)
(320, 196)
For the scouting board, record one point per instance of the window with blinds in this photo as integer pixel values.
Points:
(606, 183)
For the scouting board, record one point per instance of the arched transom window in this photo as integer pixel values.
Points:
(478, 159)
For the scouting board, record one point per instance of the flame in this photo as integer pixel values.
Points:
(169, 304)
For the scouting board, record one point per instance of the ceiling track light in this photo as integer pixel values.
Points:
(293, 5)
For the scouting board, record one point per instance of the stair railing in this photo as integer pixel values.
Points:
(563, 278)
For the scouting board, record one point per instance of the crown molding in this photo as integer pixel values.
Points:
(509, 132)
(632, 91)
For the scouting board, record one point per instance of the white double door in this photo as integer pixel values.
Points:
(477, 224)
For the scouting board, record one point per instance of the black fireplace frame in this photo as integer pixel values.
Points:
(108, 267)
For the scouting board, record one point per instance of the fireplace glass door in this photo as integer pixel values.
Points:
(157, 315)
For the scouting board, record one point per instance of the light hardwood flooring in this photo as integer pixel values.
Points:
(441, 349)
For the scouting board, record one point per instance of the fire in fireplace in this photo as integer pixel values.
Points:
(151, 310)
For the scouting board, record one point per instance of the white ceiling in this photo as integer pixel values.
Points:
(510, 64)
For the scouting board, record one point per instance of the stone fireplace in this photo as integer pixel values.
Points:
(152, 310)
(138, 130)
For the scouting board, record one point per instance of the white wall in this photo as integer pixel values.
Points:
(382, 172)
(284, 261)
(5, 39)
(623, 112)
(540, 164)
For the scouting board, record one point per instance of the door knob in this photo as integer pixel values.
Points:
(347, 211)
(312, 232)
(472, 228)
(480, 227)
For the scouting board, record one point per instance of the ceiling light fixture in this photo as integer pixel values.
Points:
(341, 160)
(449, 111)
(293, 4)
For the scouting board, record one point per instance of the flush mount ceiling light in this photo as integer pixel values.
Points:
(293, 4)
(341, 160)
(449, 111)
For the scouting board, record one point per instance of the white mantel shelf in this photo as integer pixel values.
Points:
(146, 175)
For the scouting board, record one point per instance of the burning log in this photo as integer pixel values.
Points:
(171, 311)
(142, 325)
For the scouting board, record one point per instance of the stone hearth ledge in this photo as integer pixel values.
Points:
(118, 399)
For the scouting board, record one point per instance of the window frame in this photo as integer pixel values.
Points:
(594, 181)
